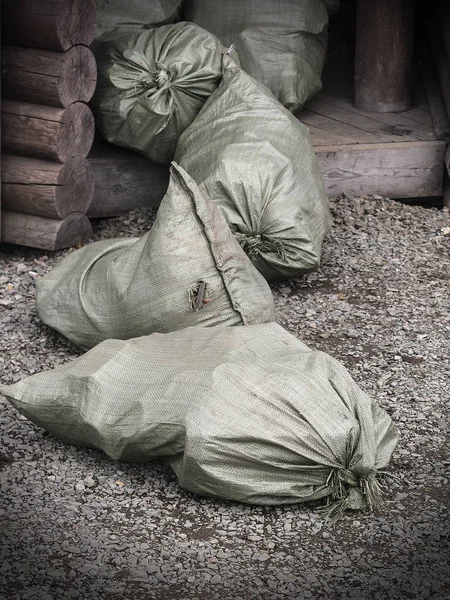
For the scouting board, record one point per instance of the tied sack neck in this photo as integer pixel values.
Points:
(136, 73)
(351, 492)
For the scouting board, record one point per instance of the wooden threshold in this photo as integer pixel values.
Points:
(398, 155)
(396, 170)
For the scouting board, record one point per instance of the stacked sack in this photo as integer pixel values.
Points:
(244, 413)
(187, 270)
(185, 360)
(256, 161)
(152, 83)
(112, 14)
(281, 43)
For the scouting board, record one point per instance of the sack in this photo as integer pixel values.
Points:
(152, 83)
(281, 43)
(187, 270)
(135, 13)
(243, 413)
(256, 161)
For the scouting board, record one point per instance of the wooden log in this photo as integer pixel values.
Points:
(49, 24)
(383, 55)
(124, 181)
(46, 132)
(46, 189)
(47, 234)
(47, 77)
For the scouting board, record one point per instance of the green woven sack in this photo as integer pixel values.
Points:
(244, 413)
(256, 161)
(152, 83)
(187, 270)
(281, 43)
(135, 13)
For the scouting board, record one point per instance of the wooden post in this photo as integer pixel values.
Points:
(47, 77)
(383, 55)
(48, 234)
(124, 180)
(46, 132)
(441, 59)
(49, 24)
(46, 189)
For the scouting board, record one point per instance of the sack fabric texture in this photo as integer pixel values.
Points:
(243, 413)
(256, 161)
(152, 84)
(135, 13)
(187, 270)
(281, 43)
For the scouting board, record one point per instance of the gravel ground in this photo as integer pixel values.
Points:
(74, 524)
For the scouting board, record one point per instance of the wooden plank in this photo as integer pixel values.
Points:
(396, 170)
(383, 55)
(393, 123)
(348, 117)
(47, 132)
(47, 77)
(47, 234)
(320, 137)
(338, 93)
(44, 188)
(421, 115)
(49, 24)
(124, 180)
(348, 134)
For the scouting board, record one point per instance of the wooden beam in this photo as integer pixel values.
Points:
(395, 170)
(44, 188)
(47, 234)
(124, 180)
(49, 24)
(46, 132)
(47, 77)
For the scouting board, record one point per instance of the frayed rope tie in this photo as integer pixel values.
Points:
(350, 492)
(255, 244)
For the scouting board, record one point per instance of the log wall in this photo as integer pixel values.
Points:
(49, 74)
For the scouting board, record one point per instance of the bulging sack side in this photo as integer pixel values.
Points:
(243, 413)
(281, 43)
(152, 84)
(187, 270)
(256, 161)
(135, 13)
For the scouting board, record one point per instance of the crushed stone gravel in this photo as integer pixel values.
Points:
(74, 524)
